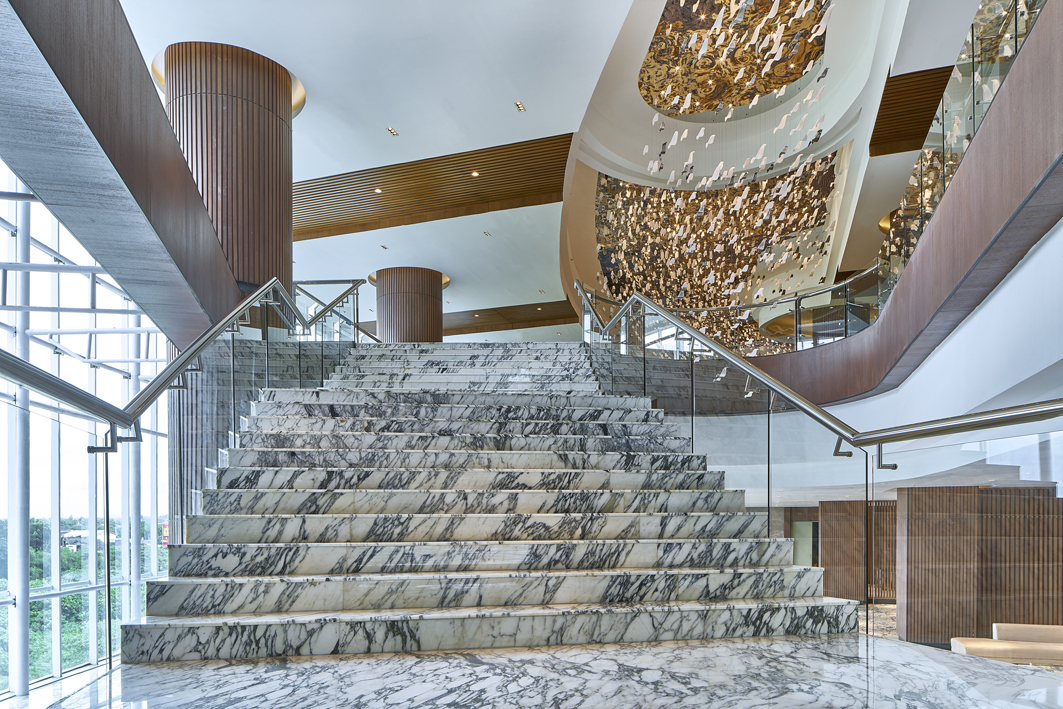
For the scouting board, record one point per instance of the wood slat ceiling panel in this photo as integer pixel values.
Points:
(909, 102)
(510, 176)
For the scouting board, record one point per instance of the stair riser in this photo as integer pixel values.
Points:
(462, 442)
(275, 458)
(457, 414)
(206, 529)
(259, 502)
(359, 478)
(331, 559)
(456, 398)
(196, 597)
(465, 385)
(280, 424)
(151, 643)
(489, 374)
(466, 367)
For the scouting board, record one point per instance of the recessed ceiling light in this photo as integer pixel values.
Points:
(378, 190)
(392, 131)
(487, 233)
(384, 247)
(538, 308)
(476, 315)
(475, 174)
(519, 105)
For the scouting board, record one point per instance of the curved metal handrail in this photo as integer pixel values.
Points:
(996, 418)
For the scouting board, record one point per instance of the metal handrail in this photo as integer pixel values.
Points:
(767, 304)
(995, 418)
(25, 374)
(36, 379)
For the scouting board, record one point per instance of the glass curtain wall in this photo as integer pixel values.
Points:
(83, 329)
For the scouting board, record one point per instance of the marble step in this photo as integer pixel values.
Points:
(432, 379)
(461, 442)
(489, 359)
(450, 427)
(460, 502)
(519, 414)
(381, 458)
(219, 637)
(565, 388)
(500, 367)
(390, 591)
(222, 560)
(274, 529)
(428, 347)
(464, 479)
(544, 399)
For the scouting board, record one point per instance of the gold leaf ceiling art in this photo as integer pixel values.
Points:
(712, 54)
(714, 248)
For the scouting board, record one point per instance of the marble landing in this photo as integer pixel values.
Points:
(737, 673)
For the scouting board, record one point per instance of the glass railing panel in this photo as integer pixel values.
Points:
(973, 525)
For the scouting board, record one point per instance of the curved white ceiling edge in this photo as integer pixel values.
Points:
(863, 34)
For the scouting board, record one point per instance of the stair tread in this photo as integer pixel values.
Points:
(459, 612)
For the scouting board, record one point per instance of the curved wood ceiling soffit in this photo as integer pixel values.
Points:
(710, 54)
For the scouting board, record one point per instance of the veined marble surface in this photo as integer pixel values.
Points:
(483, 411)
(428, 501)
(232, 529)
(447, 427)
(355, 558)
(461, 442)
(739, 673)
(455, 398)
(199, 596)
(462, 479)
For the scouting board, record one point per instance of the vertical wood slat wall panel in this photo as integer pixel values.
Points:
(409, 305)
(843, 544)
(970, 557)
(232, 114)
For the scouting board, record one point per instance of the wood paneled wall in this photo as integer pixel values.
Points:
(843, 548)
(232, 112)
(1006, 194)
(409, 304)
(969, 557)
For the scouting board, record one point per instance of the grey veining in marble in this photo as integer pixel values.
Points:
(461, 497)
(464, 479)
(343, 632)
(353, 558)
(738, 673)
(256, 502)
(215, 529)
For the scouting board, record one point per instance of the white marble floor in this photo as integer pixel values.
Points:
(824, 671)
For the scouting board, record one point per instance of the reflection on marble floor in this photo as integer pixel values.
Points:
(817, 671)
(883, 621)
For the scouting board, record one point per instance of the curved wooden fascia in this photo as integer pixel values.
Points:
(1006, 195)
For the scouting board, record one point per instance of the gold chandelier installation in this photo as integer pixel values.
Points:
(707, 55)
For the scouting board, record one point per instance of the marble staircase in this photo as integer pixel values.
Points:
(460, 496)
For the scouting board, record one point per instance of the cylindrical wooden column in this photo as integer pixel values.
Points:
(409, 305)
(232, 112)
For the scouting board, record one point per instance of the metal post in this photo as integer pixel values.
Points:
(355, 333)
(265, 337)
(797, 324)
(107, 547)
(644, 352)
(693, 386)
(771, 405)
(133, 451)
(19, 513)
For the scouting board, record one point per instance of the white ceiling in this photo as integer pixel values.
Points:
(510, 267)
(444, 74)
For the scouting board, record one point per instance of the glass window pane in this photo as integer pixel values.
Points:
(74, 630)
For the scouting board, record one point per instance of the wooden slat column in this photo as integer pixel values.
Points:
(232, 112)
(409, 303)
